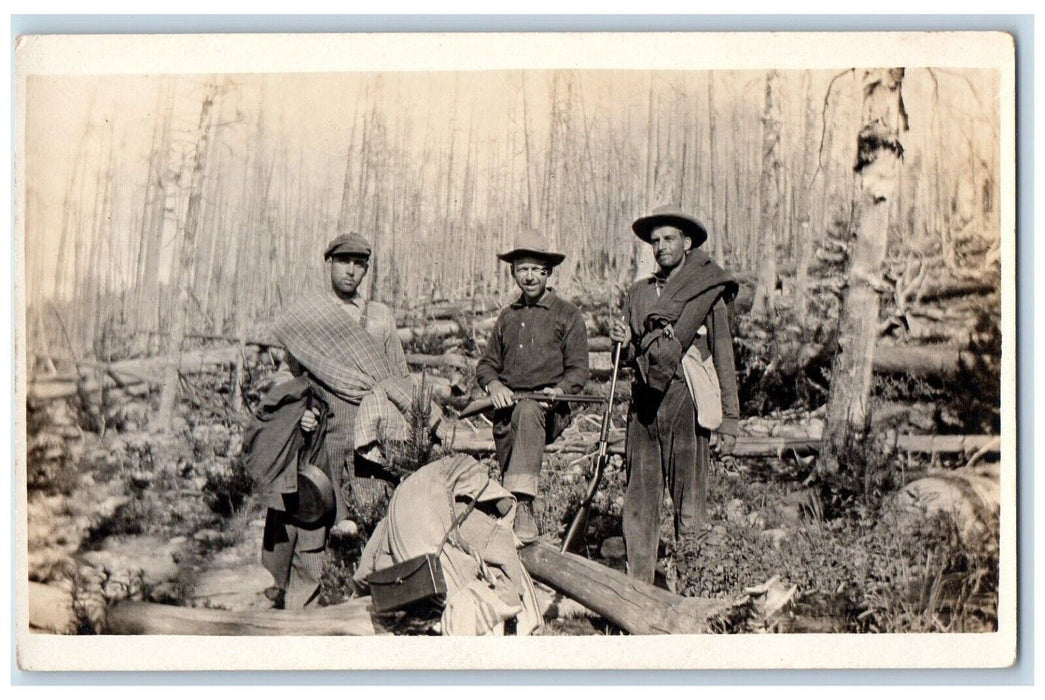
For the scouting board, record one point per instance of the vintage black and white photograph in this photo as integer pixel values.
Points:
(388, 351)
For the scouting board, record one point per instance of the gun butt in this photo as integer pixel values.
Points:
(576, 528)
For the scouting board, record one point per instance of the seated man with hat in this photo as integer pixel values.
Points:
(342, 345)
(539, 344)
(675, 335)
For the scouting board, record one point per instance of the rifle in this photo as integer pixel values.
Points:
(580, 518)
(485, 404)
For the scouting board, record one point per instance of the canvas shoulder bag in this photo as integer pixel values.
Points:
(702, 380)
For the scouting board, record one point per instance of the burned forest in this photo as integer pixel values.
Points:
(169, 220)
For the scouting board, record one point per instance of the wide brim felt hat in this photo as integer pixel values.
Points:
(670, 216)
(315, 497)
(533, 245)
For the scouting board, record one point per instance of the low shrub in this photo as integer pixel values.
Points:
(228, 484)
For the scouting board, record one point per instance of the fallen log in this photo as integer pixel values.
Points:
(477, 442)
(46, 390)
(958, 288)
(42, 392)
(947, 443)
(438, 329)
(924, 360)
(352, 618)
(634, 606)
(132, 372)
(445, 310)
(448, 360)
(481, 442)
(941, 360)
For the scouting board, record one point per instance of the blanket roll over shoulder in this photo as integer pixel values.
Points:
(683, 305)
(335, 349)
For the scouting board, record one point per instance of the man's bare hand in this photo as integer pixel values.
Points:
(309, 421)
(550, 391)
(620, 331)
(500, 394)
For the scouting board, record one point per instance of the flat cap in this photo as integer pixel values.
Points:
(347, 244)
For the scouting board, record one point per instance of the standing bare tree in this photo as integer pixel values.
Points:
(180, 289)
(769, 197)
(879, 155)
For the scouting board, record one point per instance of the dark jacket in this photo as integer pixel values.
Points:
(533, 346)
(664, 326)
(273, 442)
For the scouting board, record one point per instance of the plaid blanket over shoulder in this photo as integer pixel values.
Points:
(381, 418)
(336, 350)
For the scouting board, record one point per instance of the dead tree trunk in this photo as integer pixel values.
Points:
(879, 153)
(769, 198)
(169, 394)
(805, 206)
(716, 235)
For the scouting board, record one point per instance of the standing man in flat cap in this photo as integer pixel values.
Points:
(675, 334)
(349, 259)
(539, 344)
(344, 345)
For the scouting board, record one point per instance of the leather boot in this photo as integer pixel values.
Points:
(525, 522)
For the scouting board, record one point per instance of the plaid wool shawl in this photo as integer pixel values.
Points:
(382, 417)
(334, 348)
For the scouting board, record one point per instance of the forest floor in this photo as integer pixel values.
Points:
(169, 518)
(897, 542)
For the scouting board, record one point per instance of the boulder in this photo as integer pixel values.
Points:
(152, 556)
(207, 536)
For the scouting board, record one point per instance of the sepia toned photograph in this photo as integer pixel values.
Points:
(708, 361)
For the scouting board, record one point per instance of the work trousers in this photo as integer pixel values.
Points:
(665, 445)
(520, 433)
(295, 556)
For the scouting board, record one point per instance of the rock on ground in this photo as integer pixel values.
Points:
(51, 609)
(971, 496)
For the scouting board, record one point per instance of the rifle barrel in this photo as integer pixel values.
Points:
(485, 404)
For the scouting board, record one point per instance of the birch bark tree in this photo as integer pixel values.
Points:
(878, 160)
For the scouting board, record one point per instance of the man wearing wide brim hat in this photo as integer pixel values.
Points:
(675, 335)
(539, 344)
(670, 216)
